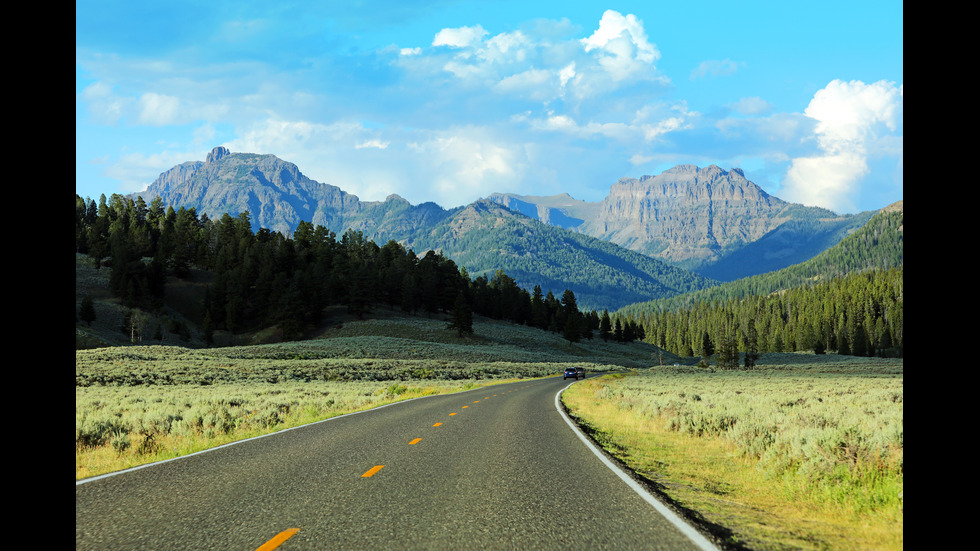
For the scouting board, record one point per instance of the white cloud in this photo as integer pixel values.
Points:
(467, 163)
(538, 64)
(461, 37)
(158, 109)
(622, 50)
(854, 122)
(850, 115)
(566, 73)
(640, 159)
(617, 31)
(375, 143)
(104, 106)
(536, 84)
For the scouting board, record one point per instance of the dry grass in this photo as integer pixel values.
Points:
(138, 404)
(117, 427)
(803, 453)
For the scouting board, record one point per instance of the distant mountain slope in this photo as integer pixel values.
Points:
(709, 220)
(482, 237)
(486, 236)
(878, 245)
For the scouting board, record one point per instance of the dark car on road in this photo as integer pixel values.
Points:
(574, 372)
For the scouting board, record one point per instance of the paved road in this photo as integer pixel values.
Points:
(493, 468)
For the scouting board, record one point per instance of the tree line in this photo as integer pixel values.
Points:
(859, 314)
(849, 299)
(264, 278)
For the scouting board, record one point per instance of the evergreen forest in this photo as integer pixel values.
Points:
(860, 314)
(263, 278)
(848, 299)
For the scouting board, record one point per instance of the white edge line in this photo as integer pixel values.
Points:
(672, 517)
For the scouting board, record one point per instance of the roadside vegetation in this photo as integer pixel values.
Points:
(802, 452)
(140, 404)
(118, 427)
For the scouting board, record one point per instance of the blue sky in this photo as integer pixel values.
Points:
(449, 101)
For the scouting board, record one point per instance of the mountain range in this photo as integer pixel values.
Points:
(708, 220)
(652, 237)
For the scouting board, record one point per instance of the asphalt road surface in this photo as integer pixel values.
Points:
(493, 468)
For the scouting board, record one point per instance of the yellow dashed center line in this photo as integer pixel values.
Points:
(273, 543)
(277, 541)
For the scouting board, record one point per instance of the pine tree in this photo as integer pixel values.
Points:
(410, 300)
(539, 313)
(461, 317)
(605, 326)
(751, 344)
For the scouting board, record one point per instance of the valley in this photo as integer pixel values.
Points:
(196, 331)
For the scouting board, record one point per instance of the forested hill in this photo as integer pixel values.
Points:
(849, 299)
(250, 282)
(485, 237)
(879, 244)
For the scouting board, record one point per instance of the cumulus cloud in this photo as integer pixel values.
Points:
(461, 37)
(619, 54)
(540, 63)
(854, 121)
(623, 37)
(471, 167)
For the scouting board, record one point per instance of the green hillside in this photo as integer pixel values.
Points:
(879, 244)
(848, 298)
(485, 237)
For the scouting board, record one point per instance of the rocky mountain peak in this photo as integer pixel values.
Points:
(687, 214)
(217, 153)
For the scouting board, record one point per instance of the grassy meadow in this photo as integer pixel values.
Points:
(170, 396)
(139, 404)
(802, 452)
